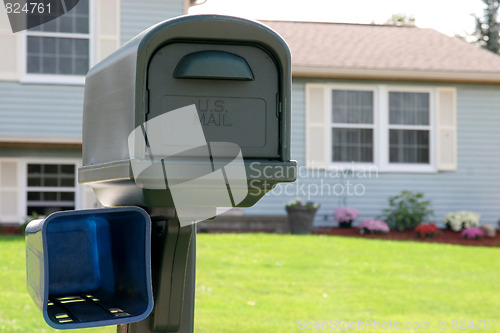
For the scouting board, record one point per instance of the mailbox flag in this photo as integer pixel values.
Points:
(201, 176)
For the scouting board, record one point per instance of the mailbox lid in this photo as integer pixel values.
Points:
(234, 87)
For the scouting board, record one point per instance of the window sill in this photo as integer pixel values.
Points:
(347, 168)
(77, 80)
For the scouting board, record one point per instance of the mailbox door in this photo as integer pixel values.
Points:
(234, 88)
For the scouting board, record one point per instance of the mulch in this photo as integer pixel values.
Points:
(445, 236)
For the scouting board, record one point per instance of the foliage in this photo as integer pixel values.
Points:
(401, 20)
(462, 219)
(297, 203)
(373, 227)
(267, 282)
(345, 214)
(487, 32)
(472, 233)
(407, 210)
(426, 230)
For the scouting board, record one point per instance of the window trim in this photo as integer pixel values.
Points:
(23, 185)
(381, 129)
(328, 146)
(26, 77)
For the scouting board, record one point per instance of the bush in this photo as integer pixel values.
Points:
(472, 233)
(460, 220)
(407, 210)
(373, 227)
(426, 230)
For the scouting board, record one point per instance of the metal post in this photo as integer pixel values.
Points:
(173, 261)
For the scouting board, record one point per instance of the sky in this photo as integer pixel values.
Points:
(447, 16)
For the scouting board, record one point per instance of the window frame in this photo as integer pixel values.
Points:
(381, 129)
(24, 188)
(26, 77)
(329, 100)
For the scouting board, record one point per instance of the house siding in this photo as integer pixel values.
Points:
(139, 15)
(474, 186)
(55, 111)
(40, 111)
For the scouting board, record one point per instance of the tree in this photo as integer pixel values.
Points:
(402, 20)
(487, 31)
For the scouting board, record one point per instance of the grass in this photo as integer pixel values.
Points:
(267, 283)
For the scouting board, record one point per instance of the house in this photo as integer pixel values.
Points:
(376, 110)
(379, 109)
(42, 74)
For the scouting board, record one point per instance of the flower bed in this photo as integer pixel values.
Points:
(445, 236)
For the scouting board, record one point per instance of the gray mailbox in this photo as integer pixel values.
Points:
(236, 73)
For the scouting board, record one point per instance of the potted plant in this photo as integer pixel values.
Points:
(301, 216)
(345, 216)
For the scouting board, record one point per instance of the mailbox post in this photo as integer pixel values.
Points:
(190, 115)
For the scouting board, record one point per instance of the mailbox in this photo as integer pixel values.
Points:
(190, 115)
(90, 267)
(236, 73)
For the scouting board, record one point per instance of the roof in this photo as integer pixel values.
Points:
(384, 51)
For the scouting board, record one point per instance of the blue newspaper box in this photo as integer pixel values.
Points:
(90, 268)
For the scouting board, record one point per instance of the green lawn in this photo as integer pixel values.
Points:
(267, 283)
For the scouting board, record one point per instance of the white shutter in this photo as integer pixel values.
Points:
(8, 48)
(89, 198)
(316, 140)
(108, 27)
(446, 129)
(9, 192)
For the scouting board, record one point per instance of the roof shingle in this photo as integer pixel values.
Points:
(382, 48)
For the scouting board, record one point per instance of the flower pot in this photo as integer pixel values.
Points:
(300, 219)
(345, 225)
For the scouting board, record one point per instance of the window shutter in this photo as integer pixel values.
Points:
(8, 41)
(446, 129)
(89, 198)
(316, 126)
(108, 27)
(9, 192)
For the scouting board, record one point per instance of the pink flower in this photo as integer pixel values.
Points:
(472, 233)
(345, 214)
(373, 226)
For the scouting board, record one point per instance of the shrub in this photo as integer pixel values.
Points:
(460, 220)
(472, 233)
(345, 214)
(489, 230)
(426, 230)
(373, 227)
(407, 210)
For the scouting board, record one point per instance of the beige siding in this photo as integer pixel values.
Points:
(108, 27)
(8, 49)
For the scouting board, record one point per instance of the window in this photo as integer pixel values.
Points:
(50, 188)
(394, 128)
(352, 126)
(60, 48)
(409, 127)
